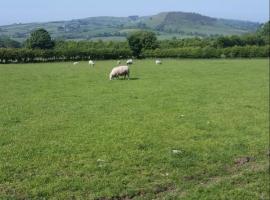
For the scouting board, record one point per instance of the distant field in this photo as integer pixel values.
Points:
(187, 129)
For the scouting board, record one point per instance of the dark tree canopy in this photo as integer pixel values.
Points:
(40, 39)
(142, 40)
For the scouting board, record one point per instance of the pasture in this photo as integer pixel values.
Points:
(186, 129)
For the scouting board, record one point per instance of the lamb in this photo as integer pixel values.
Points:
(129, 62)
(75, 63)
(158, 62)
(119, 71)
(91, 63)
(118, 62)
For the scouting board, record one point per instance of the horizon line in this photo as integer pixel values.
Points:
(52, 21)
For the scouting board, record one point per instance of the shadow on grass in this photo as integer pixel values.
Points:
(130, 79)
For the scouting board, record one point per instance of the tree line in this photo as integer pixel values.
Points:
(40, 47)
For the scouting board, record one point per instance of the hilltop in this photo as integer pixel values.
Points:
(166, 25)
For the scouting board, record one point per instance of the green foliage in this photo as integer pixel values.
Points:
(67, 132)
(264, 32)
(145, 44)
(209, 52)
(40, 39)
(135, 44)
(248, 39)
(38, 55)
(186, 42)
(71, 54)
(142, 40)
(265, 29)
(88, 45)
(6, 42)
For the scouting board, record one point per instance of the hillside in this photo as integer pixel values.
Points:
(166, 25)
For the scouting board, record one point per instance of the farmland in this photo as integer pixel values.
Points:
(186, 129)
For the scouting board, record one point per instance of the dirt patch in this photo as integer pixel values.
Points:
(243, 160)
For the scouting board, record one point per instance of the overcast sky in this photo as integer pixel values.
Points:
(21, 11)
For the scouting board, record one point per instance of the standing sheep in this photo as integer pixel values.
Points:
(129, 62)
(91, 63)
(158, 62)
(119, 71)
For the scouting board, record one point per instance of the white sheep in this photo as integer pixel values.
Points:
(75, 63)
(118, 62)
(158, 62)
(129, 62)
(91, 62)
(119, 71)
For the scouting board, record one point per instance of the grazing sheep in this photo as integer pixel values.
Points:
(129, 62)
(119, 71)
(118, 62)
(75, 63)
(158, 62)
(91, 62)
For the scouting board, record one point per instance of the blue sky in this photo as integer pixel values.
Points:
(15, 11)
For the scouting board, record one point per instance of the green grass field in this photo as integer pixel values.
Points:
(67, 132)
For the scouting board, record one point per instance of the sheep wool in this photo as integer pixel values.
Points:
(158, 62)
(91, 62)
(129, 62)
(119, 71)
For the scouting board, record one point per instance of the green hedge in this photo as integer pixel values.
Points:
(209, 52)
(27, 55)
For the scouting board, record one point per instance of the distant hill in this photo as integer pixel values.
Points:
(166, 25)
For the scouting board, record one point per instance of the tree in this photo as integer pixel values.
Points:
(223, 42)
(264, 31)
(142, 40)
(236, 41)
(40, 39)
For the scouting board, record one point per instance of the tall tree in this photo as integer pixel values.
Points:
(142, 40)
(40, 39)
(264, 31)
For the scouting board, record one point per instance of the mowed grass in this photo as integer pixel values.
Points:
(67, 132)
